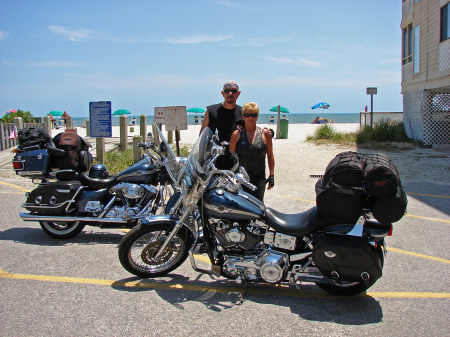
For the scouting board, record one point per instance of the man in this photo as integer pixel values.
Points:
(224, 116)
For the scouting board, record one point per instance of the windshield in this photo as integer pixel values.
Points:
(193, 172)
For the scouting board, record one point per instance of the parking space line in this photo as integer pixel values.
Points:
(273, 290)
(418, 255)
(15, 186)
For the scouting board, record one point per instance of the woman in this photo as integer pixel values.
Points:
(251, 145)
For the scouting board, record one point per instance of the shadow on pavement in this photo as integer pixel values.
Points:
(36, 236)
(219, 294)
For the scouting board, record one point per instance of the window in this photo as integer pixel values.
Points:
(445, 26)
(407, 45)
(416, 55)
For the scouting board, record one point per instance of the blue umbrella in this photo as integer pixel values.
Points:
(321, 105)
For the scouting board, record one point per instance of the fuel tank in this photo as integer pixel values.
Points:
(139, 173)
(222, 204)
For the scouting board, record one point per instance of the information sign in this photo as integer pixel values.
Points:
(371, 91)
(158, 115)
(100, 123)
(175, 118)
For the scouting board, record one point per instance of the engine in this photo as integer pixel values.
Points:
(234, 236)
(246, 254)
(130, 199)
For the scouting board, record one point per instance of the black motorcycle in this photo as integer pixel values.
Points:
(249, 242)
(65, 201)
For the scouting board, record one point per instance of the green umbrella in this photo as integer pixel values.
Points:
(282, 109)
(196, 110)
(121, 112)
(56, 113)
(279, 109)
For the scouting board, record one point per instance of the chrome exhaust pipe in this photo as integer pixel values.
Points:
(56, 218)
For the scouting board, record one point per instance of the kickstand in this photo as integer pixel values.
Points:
(241, 298)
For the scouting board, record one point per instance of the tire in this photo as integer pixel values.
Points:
(140, 243)
(62, 230)
(351, 288)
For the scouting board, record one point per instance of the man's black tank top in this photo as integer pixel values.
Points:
(224, 120)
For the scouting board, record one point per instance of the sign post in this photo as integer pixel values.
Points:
(175, 118)
(371, 91)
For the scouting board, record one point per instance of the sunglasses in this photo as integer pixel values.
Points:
(227, 91)
(250, 115)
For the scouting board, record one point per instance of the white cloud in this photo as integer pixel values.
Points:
(71, 35)
(199, 39)
(3, 35)
(297, 61)
(56, 64)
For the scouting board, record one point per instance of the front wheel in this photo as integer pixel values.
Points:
(62, 230)
(139, 245)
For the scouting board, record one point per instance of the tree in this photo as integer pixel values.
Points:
(26, 116)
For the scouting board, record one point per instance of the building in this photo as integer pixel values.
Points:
(426, 70)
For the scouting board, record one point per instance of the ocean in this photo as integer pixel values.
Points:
(293, 118)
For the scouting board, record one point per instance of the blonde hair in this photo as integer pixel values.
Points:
(250, 106)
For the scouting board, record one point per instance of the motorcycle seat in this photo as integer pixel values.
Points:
(299, 224)
(97, 183)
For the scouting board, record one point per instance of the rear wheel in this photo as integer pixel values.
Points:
(139, 245)
(62, 230)
(351, 288)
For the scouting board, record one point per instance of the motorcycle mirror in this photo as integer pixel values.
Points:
(243, 172)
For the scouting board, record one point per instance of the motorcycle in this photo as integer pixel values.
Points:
(247, 241)
(76, 199)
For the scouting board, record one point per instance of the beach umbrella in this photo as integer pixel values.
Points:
(282, 109)
(121, 112)
(279, 109)
(55, 113)
(321, 105)
(195, 110)
(10, 111)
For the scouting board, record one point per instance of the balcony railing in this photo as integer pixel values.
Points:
(407, 7)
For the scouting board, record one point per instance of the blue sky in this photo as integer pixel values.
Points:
(61, 55)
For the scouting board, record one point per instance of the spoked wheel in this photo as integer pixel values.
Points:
(139, 246)
(62, 230)
(351, 288)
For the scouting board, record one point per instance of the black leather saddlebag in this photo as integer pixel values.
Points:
(346, 258)
(53, 198)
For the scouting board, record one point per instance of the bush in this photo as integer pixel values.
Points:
(383, 131)
(26, 116)
(326, 133)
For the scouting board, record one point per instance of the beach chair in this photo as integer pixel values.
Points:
(133, 121)
(195, 120)
(283, 116)
(272, 120)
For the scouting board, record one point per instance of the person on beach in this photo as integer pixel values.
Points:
(64, 117)
(224, 116)
(252, 145)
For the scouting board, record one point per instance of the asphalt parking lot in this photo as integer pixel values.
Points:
(78, 287)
